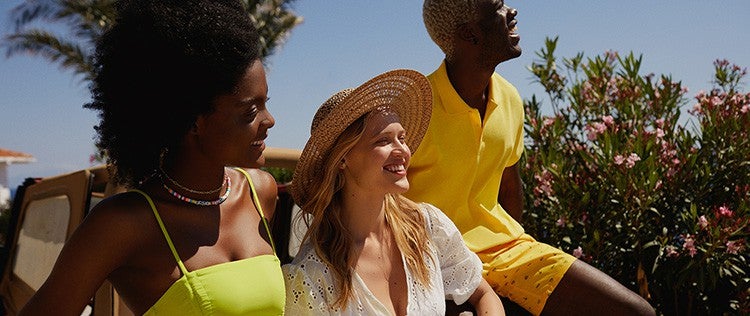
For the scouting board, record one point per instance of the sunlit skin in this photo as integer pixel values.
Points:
(499, 27)
(120, 240)
(235, 131)
(377, 163)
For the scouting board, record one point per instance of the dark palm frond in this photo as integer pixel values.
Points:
(68, 54)
(32, 10)
(87, 19)
(274, 20)
(276, 36)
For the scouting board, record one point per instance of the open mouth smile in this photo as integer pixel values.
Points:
(513, 28)
(396, 168)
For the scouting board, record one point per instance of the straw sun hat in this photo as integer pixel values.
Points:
(407, 92)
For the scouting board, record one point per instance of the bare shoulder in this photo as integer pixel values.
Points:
(104, 241)
(126, 207)
(265, 186)
(115, 217)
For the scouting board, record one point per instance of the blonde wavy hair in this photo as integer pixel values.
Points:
(443, 17)
(332, 239)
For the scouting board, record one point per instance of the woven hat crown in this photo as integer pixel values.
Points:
(327, 106)
(405, 91)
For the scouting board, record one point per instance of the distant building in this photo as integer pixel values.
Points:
(7, 158)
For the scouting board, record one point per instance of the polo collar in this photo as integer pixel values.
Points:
(451, 101)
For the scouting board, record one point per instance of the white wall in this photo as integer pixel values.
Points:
(4, 190)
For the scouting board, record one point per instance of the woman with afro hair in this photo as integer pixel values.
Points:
(181, 93)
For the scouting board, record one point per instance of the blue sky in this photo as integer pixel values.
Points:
(343, 43)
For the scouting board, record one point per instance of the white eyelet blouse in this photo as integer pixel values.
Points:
(310, 285)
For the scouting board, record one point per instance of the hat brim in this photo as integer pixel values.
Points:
(405, 91)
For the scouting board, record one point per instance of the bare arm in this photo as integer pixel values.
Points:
(96, 248)
(510, 195)
(485, 301)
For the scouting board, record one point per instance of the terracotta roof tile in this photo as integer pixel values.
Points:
(7, 155)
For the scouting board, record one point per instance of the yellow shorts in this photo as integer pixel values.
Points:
(525, 271)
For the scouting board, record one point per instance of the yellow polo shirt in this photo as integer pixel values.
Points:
(460, 162)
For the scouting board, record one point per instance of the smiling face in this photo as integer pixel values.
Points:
(498, 24)
(234, 132)
(377, 162)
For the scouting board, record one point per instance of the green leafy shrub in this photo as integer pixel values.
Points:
(615, 177)
(281, 175)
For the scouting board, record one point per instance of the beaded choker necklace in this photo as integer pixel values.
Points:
(218, 201)
(173, 181)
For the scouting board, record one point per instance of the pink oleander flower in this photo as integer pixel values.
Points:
(607, 119)
(594, 130)
(725, 211)
(664, 146)
(745, 108)
(715, 101)
(599, 127)
(702, 222)
(737, 98)
(700, 94)
(619, 159)
(689, 245)
(544, 183)
(578, 252)
(733, 246)
(591, 135)
(561, 222)
(631, 160)
(659, 133)
(742, 189)
(549, 121)
(697, 108)
(672, 252)
(660, 123)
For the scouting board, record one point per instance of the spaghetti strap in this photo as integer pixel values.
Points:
(164, 231)
(256, 201)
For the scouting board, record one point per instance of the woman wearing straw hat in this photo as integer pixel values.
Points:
(368, 250)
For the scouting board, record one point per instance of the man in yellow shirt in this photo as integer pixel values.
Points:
(467, 167)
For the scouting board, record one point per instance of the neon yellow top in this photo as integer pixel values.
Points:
(252, 286)
(460, 162)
